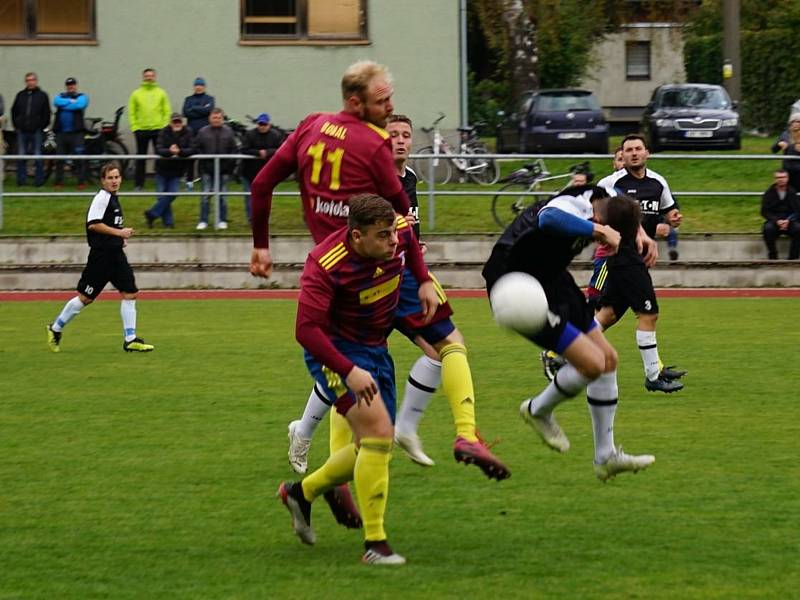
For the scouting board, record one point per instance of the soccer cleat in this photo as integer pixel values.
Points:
(673, 254)
(291, 494)
(619, 462)
(547, 427)
(662, 384)
(380, 553)
(53, 339)
(149, 218)
(551, 363)
(412, 446)
(477, 453)
(298, 449)
(137, 345)
(672, 373)
(343, 506)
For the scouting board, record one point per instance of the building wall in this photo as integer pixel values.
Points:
(417, 39)
(607, 78)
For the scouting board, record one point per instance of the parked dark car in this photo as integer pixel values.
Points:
(691, 115)
(553, 121)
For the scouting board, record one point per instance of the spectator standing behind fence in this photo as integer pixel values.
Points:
(196, 109)
(69, 128)
(215, 138)
(30, 115)
(780, 207)
(261, 141)
(175, 142)
(789, 144)
(148, 112)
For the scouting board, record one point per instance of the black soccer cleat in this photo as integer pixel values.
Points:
(291, 494)
(343, 507)
(672, 373)
(663, 384)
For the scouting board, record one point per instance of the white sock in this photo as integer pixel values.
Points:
(423, 379)
(602, 394)
(567, 383)
(317, 407)
(69, 312)
(649, 351)
(127, 310)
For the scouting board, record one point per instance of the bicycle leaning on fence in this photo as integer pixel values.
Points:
(516, 195)
(484, 171)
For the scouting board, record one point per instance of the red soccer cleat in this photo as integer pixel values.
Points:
(477, 453)
(343, 506)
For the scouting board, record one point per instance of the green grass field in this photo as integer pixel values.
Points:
(461, 214)
(153, 476)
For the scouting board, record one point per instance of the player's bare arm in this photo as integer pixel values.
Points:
(608, 236)
(647, 245)
(125, 232)
(429, 299)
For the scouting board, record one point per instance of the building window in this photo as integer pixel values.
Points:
(637, 61)
(46, 20)
(299, 20)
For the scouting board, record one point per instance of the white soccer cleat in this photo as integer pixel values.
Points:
(619, 462)
(382, 555)
(298, 449)
(412, 446)
(546, 426)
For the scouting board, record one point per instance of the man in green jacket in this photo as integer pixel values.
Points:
(148, 112)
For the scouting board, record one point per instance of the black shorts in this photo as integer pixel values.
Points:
(628, 285)
(106, 266)
(572, 314)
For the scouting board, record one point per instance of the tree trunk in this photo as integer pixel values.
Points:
(523, 49)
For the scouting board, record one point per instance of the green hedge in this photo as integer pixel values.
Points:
(770, 73)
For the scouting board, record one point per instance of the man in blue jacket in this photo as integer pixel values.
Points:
(69, 128)
(196, 109)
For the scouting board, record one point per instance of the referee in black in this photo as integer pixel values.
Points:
(107, 262)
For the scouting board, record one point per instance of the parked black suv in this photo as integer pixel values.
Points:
(691, 115)
(566, 121)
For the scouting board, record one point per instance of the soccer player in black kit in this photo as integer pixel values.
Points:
(107, 262)
(628, 283)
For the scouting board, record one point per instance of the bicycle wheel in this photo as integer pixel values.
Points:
(484, 171)
(442, 169)
(505, 208)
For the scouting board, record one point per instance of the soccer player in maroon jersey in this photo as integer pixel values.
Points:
(349, 291)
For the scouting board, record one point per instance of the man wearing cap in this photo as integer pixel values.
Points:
(197, 107)
(175, 142)
(148, 112)
(68, 127)
(262, 141)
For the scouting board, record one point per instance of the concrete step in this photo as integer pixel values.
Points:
(47, 263)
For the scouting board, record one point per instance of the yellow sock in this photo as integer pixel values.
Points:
(340, 435)
(457, 387)
(337, 469)
(372, 484)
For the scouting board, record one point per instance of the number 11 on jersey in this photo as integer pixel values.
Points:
(320, 153)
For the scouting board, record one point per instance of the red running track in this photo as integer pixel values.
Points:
(454, 293)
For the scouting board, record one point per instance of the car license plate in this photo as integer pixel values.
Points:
(699, 134)
(577, 135)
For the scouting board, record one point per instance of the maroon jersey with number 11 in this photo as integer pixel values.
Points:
(336, 156)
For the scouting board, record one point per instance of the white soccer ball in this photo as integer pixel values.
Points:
(519, 303)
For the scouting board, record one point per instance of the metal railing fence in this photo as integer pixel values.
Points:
(431, 191)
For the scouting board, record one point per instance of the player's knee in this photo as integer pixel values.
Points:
(130, 296)
(649, 320)
(592, 364)
(611, 360)
(454, 337)
(85, 300)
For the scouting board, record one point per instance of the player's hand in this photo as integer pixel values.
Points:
(675, 219)
(361, 383)
(662, 230)
(260, 263)
(429, 300)
(608, 236)
(410, 218)
(648, 247)
(126, 232)
(423, 247)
